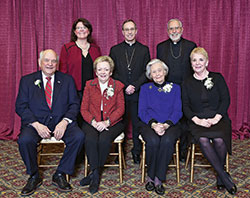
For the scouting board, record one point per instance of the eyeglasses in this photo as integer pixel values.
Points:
(81, 28)
(53, 61)
(129, 30)
(174, 28)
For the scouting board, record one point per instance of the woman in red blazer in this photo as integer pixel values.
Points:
(77, 57)
(102, 108)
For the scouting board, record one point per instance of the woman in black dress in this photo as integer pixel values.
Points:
(206, 100)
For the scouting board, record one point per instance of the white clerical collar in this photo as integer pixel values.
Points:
(130, 43)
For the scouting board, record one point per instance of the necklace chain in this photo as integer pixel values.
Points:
(172, 53)
(83, 48)
(131, 58)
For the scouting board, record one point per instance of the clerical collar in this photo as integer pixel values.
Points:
(160, 85)
(130, 44)
(175, 43)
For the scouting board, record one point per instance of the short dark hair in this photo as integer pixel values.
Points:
(128, 20)
(87, 24)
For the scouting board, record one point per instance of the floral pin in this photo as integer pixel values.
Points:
(166, 88)
(37, 83)
(110, 92)
(209, 83)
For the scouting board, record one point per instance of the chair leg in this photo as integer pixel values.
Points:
(188, 156)
(177, 162)
(67, 178)
(40, 148)
(123, 161)
(227, 163)
(120, 160)
(86, 166)
(192, 164)
(143, 162)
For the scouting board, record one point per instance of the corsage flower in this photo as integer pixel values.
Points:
(37, 83)
(110, 92)
(209, 83)
(166, 88)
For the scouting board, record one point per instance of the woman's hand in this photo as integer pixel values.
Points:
(215, 119)
(100, 126)
(201, 122)
(158, 128)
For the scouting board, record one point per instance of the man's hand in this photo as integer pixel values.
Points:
(42, 130)
(60, 129)
(130, 89)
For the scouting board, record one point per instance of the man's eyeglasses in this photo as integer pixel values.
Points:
(174, 28)
(53, 61)
(129, 30)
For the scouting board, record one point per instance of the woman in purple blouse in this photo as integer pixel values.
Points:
(160, 109)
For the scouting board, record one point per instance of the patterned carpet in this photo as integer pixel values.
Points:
(13, 178)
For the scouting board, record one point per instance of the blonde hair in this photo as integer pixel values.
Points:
(199, 50)
(105, 59)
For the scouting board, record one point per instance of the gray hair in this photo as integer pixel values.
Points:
(152, 62)
(42, 54)
(180, 23)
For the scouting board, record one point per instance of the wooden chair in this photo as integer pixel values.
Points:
(175, 159)
(194, 153)
(41, 153)
(118, 140)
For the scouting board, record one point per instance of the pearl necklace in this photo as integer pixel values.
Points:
(84, 49)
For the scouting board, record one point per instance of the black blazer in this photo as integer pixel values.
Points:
(218, 96)
(31, 103)
(138, 66)
(179, 69)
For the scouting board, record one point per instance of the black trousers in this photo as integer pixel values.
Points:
(184, 138)
(29, 138)
(131, 108)
(98, 144)
(159, 150)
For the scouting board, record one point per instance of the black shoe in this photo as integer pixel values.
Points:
(159, 189)
(136, 158)
(232, 190)
(93, 187)
(150, 186)
(86, 180)
(94, 183)
(32, 184)
(220, 185)
(60, 181)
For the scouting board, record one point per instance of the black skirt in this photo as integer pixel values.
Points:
(222, 130)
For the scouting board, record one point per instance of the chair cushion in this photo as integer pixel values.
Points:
(119, 138)
(51, 140)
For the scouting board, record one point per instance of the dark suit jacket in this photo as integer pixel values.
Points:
(179, 69)
(31, 103)
(138, 66)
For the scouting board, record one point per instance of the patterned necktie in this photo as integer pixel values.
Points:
(48, 91)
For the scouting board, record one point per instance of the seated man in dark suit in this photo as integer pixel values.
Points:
(48, 104)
